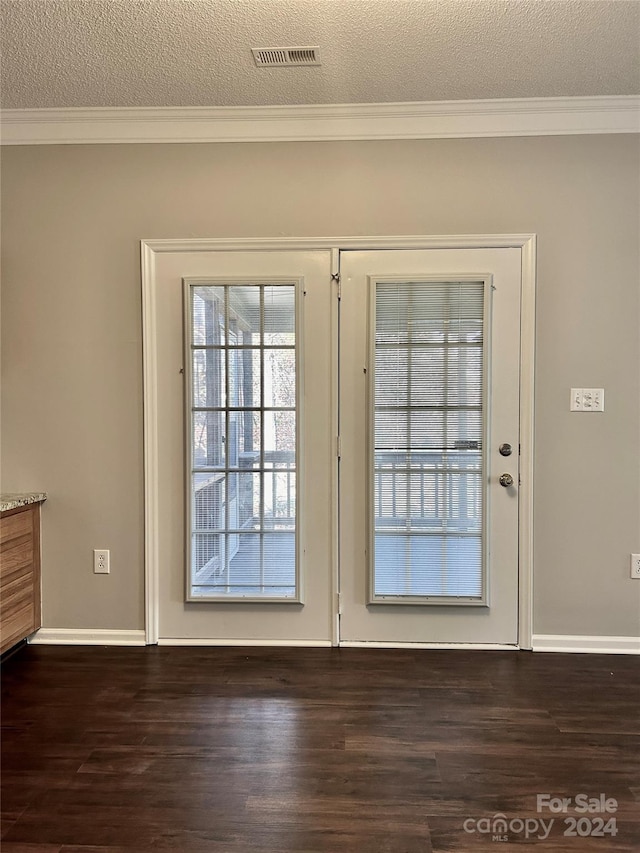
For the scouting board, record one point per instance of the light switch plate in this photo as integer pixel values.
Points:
(587, 400)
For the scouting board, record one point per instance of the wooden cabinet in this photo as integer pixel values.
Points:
(19, 574)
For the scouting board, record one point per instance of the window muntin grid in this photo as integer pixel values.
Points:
(243, 375)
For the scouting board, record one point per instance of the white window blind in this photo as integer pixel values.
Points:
(427, 440)
(242, 412)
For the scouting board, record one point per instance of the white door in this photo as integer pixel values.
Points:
(244, 360)
(429, 393)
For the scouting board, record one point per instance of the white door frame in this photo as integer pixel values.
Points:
(151, 248)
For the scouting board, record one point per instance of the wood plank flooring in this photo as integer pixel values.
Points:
(205, 750)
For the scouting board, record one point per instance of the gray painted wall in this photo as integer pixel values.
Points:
(72, 219)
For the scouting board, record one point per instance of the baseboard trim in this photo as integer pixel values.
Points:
(495, 647)
(197, 641)
(541, 642)
(586, 645)
(86, 637)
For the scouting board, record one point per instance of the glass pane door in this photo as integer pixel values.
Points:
(429, 389)
(246, 426)
(427, 441)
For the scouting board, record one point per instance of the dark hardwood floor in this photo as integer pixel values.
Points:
(315, 750)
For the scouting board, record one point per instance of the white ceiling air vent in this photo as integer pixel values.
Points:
(270, 57)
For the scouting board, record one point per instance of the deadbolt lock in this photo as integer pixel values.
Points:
(505, 450)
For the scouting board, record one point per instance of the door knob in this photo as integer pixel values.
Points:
(506, 480)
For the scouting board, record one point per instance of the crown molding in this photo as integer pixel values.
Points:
(324, 122)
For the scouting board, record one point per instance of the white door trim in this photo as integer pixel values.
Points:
(149, 250)
(527, 385)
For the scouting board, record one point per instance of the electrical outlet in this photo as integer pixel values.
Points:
(101, 561)
(635, 566)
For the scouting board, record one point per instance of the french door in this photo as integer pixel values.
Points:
(245, 447)
(429, 402)
(333, 446)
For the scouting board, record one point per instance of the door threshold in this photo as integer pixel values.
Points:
(204, 641)
(495, 647)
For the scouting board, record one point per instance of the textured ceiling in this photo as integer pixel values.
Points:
(119, 53)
